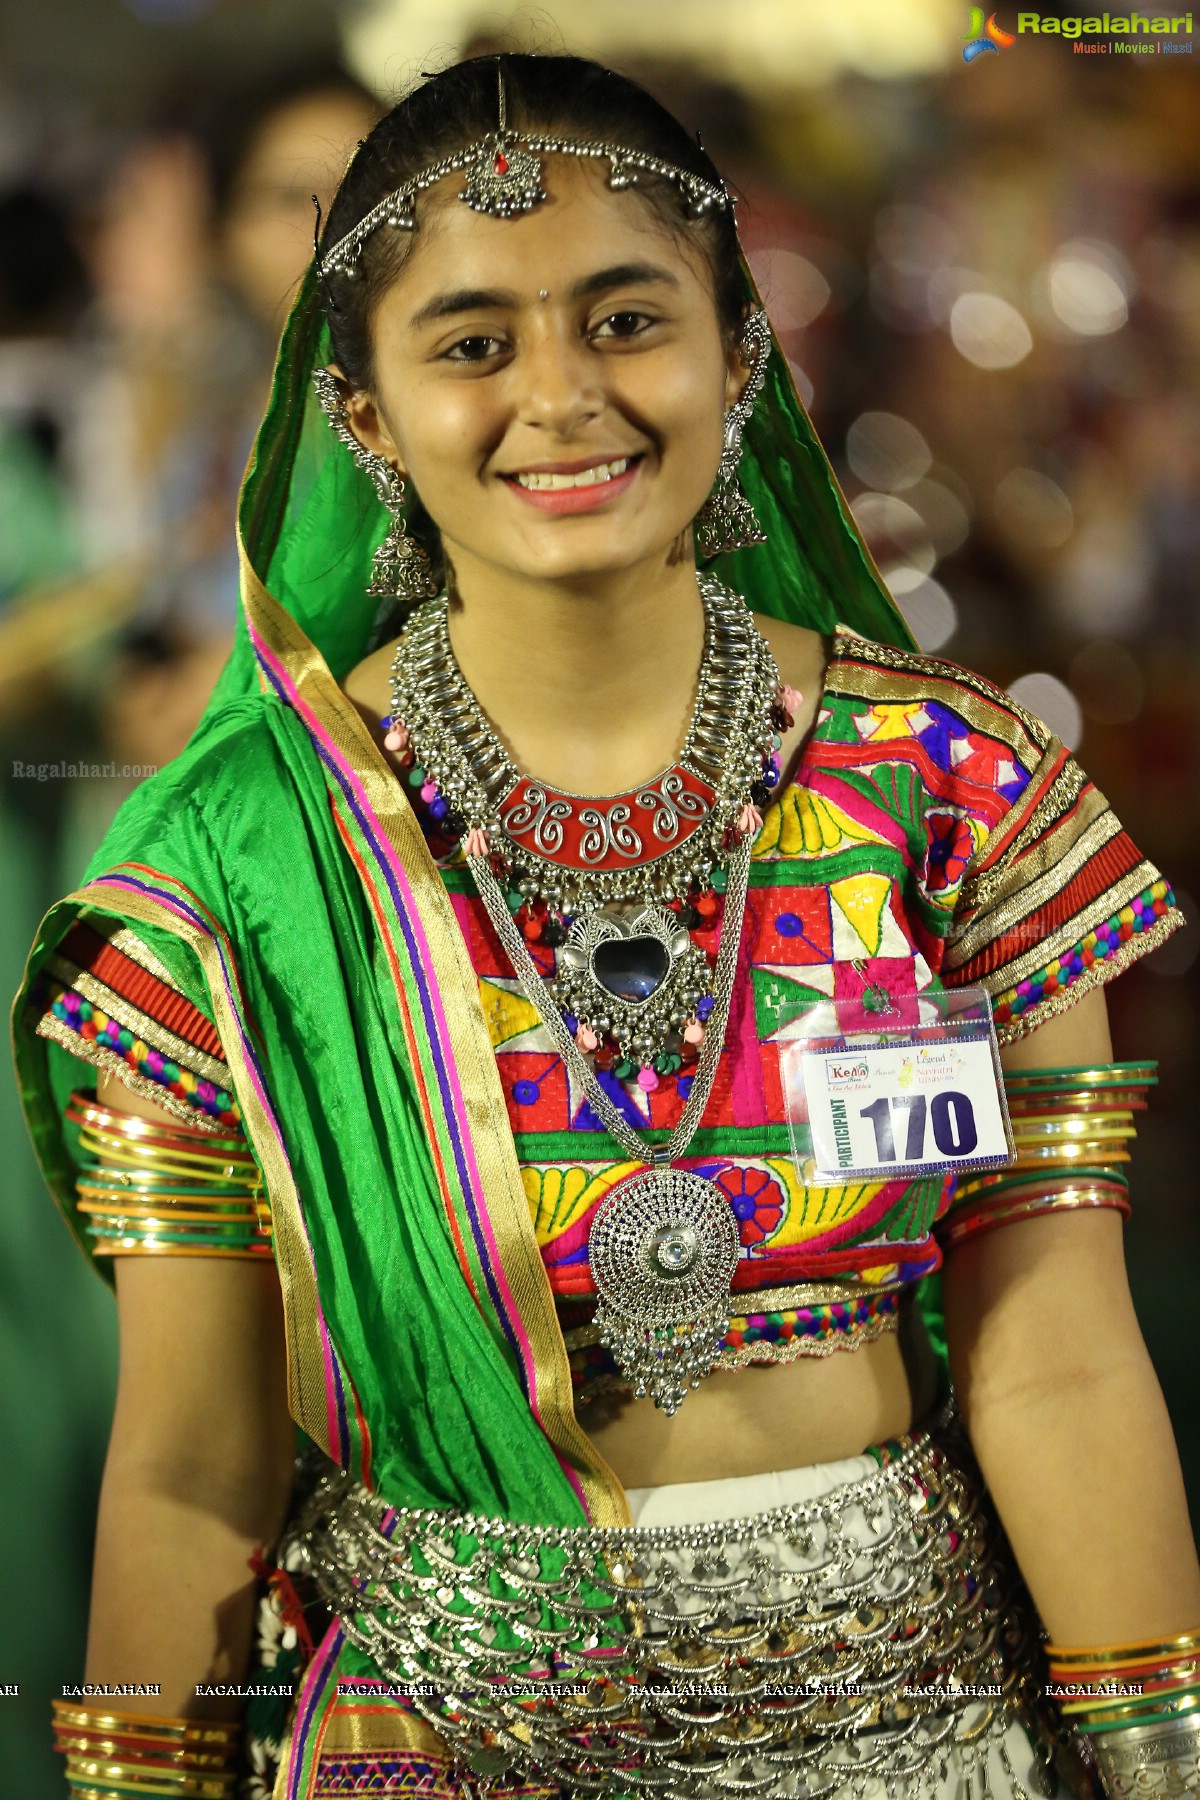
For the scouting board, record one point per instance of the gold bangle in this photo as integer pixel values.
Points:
(177, 1730)
(152, 1781)
(1144, 1648)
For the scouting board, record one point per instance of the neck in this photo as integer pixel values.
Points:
(590, 683)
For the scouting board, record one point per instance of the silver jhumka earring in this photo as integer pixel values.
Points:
(726, 521)
(401, 569)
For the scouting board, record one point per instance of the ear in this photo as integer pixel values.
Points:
(366, 421)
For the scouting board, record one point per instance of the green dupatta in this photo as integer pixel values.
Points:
(278, 871)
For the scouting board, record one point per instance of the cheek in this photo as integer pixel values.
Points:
(446, 430)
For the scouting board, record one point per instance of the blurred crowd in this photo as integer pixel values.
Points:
(988, 285)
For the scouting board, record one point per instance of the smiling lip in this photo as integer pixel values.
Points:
(574, 487)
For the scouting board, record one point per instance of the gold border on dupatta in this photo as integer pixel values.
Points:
(502, 1188)
(297, 1276)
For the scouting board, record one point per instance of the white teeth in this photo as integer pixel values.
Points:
(582, 478)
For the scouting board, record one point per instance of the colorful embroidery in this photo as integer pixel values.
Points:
(1105, 945)
(108, 1000)
(924, 812)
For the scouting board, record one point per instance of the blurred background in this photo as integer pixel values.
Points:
(986, 274)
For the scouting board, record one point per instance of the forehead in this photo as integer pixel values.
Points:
(582, 225)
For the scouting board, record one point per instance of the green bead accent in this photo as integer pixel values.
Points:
(126, 1039)
(416, 776)
(625, 1069)
(667, 1063)
(85, 1009)
(170, 1072)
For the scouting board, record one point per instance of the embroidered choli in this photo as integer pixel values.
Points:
(933, 834)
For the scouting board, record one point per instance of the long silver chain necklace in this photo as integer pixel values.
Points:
(663, 1246)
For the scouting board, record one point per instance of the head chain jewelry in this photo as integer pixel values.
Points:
(401, 568)
(726, 521)
(504, 179)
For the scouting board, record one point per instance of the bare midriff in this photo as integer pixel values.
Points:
(773, 1415)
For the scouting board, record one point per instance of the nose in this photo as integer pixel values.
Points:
(559, 380)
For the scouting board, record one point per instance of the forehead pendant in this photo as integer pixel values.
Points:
(502, 178)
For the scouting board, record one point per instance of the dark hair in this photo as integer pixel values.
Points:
(563, 94)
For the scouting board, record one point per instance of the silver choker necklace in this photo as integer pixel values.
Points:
(613, 883)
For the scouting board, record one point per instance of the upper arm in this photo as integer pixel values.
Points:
(1044, 1300)
(202, 1383)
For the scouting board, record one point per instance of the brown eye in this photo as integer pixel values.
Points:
(473, 349)
(625, 324)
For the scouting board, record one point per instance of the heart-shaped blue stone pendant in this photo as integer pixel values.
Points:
(632, 974)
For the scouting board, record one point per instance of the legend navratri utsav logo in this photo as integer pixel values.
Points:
(984, 35)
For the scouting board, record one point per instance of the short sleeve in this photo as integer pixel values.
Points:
(107, 999)
(1057, 899)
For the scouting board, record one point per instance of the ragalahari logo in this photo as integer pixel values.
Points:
(983, 36)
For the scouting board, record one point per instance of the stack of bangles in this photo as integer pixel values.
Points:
(1071, 1128)
(1139, 1707)
(111, 1755)
(151, 1188)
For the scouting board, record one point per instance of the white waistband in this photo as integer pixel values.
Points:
(732, 1497)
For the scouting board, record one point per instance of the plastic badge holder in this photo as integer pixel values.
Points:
(883, 1087)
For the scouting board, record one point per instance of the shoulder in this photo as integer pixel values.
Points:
(947, 700)
(800, 654)
(367, 686)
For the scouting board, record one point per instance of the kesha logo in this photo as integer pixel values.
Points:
(983, 36)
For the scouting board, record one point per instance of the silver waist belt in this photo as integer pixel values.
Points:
(801, 1651)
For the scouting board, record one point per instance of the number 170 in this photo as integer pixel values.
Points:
(951, 1115)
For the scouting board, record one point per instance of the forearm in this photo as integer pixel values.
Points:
(173, 1591)
(1085, 1475)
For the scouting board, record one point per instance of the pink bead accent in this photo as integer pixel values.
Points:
(693, 1033)
(475, 843)
(790, 697)
(749, 820)
(647, 1080)
(429, 792)
(586, 1038)
(394, 740)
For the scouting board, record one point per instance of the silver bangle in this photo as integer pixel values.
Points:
(1150, 1761)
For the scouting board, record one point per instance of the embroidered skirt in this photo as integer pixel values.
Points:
(850, 1630)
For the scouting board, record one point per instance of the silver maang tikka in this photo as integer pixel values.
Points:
(504, 179)
(401, 568)
(726, 521)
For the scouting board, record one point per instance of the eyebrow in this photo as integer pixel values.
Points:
(461, 300)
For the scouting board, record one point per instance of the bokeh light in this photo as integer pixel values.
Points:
(1089, 285)
(895, 532)
(1103, 585)
(1053, 703)
(793, 288)
(1032, 510)
(946, 518)
(886, 451)
(929, 612)
(989, 331)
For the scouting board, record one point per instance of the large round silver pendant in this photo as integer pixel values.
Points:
(663, 1249)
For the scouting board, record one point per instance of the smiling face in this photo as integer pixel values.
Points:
(554, 386)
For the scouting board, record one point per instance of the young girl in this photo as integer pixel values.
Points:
(555, 972)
